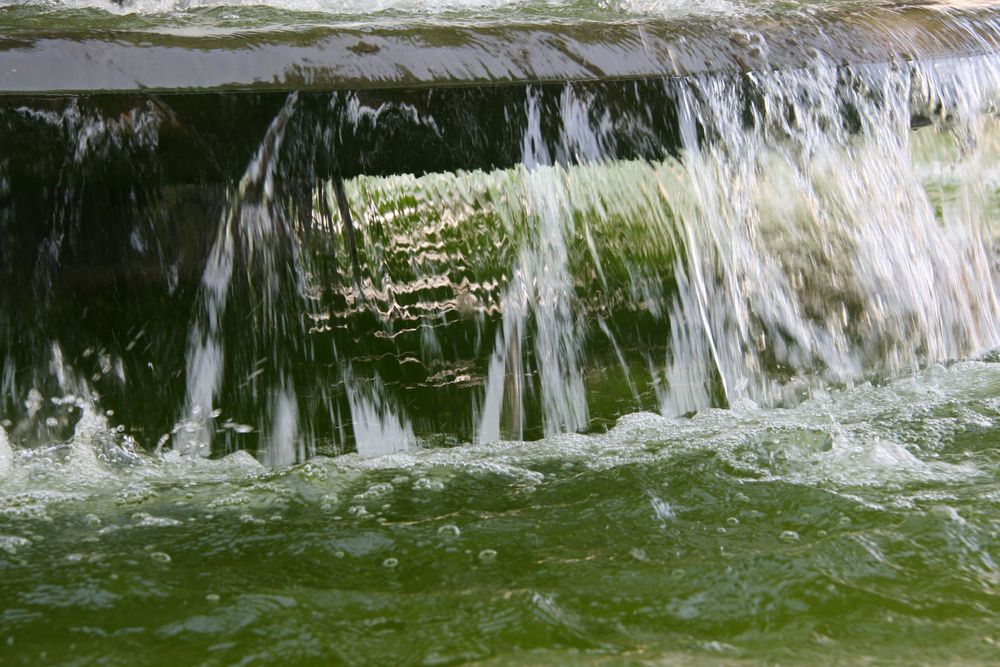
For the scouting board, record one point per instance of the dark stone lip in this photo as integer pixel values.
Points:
(52, 61)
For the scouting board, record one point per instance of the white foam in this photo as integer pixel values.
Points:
(6, 453)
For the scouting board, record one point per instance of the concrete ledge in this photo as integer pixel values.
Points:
(328, 58)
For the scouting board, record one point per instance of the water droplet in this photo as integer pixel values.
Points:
(487, 556)
(160, 557)
(390, 563)
(733, 521)
(212, 597)
(789, 536)
(720, 530)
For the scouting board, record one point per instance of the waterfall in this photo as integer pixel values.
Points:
(566, 254)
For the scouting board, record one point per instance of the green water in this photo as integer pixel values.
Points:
(859, 527)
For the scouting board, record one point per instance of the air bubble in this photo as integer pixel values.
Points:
(135, 495)
(212, 597)
(487, 556)
(144, 520)
(329, 502)
(390, 563)
(424, 484)
(375, 491)
(160, 557)
(449, 530)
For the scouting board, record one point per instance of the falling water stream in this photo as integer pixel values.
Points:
(690, 369)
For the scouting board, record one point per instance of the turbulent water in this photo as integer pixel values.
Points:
(696, 370)
(860, 526)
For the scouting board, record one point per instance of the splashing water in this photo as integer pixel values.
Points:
(253, 224)
(798, 236)
(822, 250)
(745, 532)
